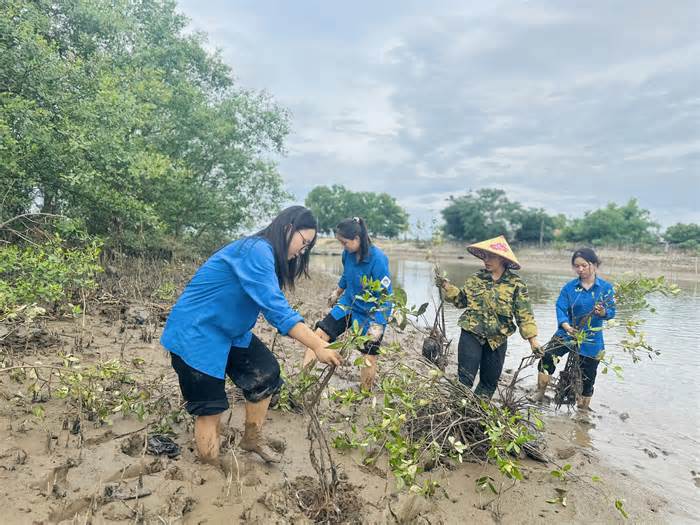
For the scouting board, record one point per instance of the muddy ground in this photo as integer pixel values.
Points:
(58, 467)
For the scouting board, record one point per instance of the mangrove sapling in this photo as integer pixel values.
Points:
(436, 345)
(427, 420)
(322, 506)
(95, 392)
(630, 300)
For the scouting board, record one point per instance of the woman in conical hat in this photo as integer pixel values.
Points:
(495, 299)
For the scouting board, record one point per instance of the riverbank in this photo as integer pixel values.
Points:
(675, 265)
(55, 466)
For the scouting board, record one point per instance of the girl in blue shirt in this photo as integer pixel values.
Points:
(361, 259)
(208, 332)
(583, 305)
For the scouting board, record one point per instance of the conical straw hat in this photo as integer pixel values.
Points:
(497, 245)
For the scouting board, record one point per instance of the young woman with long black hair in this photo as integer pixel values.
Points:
(208, 332)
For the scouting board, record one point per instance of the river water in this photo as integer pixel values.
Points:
(646, 424)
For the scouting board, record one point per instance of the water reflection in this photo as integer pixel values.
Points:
(661, 396)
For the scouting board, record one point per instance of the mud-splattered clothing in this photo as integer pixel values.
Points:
(492, 306)
(253, 369)
(221, 304)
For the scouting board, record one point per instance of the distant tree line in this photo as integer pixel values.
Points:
(488, 212)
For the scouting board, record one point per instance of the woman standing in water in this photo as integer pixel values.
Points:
(492, 298)
(361, 259)
(583, 304)
(208, 332)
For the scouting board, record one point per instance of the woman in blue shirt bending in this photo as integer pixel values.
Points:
(361, 259)
(208, 332)
(583, 305)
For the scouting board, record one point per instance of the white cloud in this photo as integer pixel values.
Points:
(566, 107)
(634, 73)
(667, 152)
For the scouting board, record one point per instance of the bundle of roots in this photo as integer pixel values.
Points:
(436, 346)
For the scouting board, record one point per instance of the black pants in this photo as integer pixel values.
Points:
(472, 356)
(588, 365)
(334, 328)
(254, 370)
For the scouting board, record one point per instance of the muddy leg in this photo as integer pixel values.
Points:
(368, 372)
(206, 436)
(252, 438)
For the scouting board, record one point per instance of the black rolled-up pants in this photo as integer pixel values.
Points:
(472, 356)
(588, 365)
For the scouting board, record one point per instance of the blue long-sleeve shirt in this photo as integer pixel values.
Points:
(220, 306)
(575, 303)
(376, 267)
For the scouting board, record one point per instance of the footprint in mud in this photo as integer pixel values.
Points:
(566, 452)
(278, 445)
(13, 457)
(138, 469)
(134, 445)
(179, 503)
(252, 478)
(55, 483)
(175, 473)
(696, 478)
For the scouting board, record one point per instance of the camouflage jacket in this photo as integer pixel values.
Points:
(492, 305)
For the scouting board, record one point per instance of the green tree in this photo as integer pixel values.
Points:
(330, 205)
(684, 235)
(534, 225)
(628, 224)
(381, 212)
(112, 112)
(480, 214)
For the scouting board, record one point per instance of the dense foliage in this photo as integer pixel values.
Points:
(110, 111)
(380, 211)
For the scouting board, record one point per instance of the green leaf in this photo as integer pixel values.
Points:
(619, 505)
(400, 297)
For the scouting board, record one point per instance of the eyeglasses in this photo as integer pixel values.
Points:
(306, 243)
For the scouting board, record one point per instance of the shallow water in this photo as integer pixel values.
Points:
(657, 439)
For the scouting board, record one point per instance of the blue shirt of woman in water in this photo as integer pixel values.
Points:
(575, 306)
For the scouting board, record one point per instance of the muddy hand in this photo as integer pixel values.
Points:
(328, 356)
(440, 281)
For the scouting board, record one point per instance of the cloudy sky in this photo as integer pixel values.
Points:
(564, 105)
